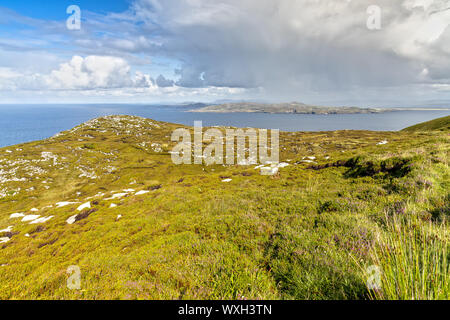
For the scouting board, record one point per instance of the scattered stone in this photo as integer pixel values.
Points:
(226, 180)
(86, 205)
(269, 171)
(113, 205)
(142, 192)
(41, 220)
(34, 210)
(119, 216)
(306, 161)
(117, 196)
(9, 229)
(100, 194)
(16, 215)
(282, 165)
(65, 203)
(382, 143)
(30, 217)
(71, 220)
(128, 190)
(4, 240)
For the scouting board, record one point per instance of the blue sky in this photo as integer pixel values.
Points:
(56, 9)
(313, 51)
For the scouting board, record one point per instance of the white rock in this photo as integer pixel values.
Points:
(282, 165)
(30, 217)
(65, 203)
(86, 205)
(9, 229)
(113, 205)
(34, 210)
(226, 180)
(382, 143)
(27, 235)
(269, 171)
(119, 216)
(100, 194)
(128, 190)
(71, 220)
(16, 215)
(4, 240)
(307, 161)
(117, 196)
(41, 220)
(142, 192)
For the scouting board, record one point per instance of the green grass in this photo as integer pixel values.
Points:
(414, 259)
(442, 124)
(303, 234)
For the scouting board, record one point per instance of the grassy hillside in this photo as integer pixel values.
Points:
(442, 124)
(160, 231)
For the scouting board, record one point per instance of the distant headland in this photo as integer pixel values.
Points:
(296, 108)
(291, 107)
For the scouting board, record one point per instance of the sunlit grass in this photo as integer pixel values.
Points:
(414, 261)
(299, 235)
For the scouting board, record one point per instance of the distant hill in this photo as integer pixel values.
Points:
(440, 124)
(291, 107)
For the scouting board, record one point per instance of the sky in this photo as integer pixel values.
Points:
(328, 52)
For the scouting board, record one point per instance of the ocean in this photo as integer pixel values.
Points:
(24, 123)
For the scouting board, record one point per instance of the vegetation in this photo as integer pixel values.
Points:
(309, 232)
(414, 259)
(442, 124)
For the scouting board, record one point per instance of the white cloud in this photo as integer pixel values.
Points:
(292, 47)
(284, 50)
(89, 73)
(98, 77)
(95, 72)
(8, 73)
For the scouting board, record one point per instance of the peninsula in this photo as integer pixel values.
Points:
(291, 107)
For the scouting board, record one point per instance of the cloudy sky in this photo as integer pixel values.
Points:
(359, 52)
